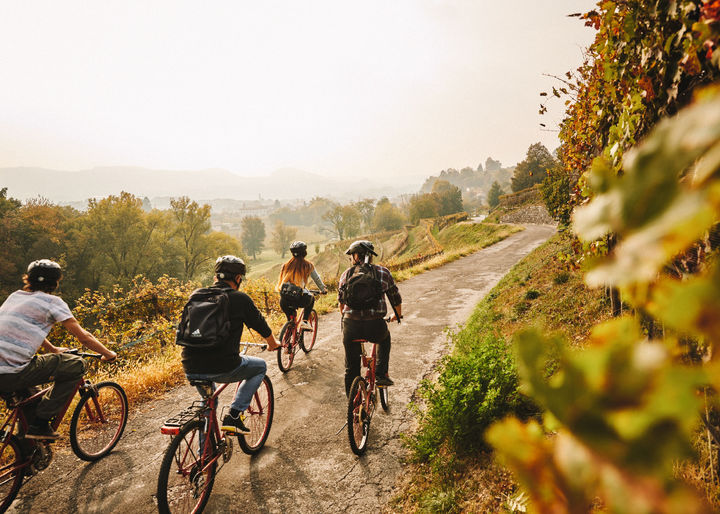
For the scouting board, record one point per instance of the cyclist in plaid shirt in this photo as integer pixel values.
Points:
(368, 324)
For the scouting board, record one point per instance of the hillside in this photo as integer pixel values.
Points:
(431, 241)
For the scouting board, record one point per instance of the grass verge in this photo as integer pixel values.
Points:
(451, 469)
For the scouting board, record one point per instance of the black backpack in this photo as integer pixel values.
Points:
(205, 320)
(362, 288)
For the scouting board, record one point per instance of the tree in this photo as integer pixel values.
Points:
(556, 194)
(123, 239)
(253, 235)
(387, 216)
(492, 165)
(192, 226)
(366, 208)
(424, 206)
(494, 194)
(534, 168)
(449, 197)
(345, 221)
(282, 236)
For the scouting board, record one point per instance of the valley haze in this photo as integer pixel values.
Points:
(284, 184)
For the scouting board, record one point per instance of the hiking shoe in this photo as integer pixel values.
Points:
(305, 325)
(234, 425)
(41, 431)
(384, 381)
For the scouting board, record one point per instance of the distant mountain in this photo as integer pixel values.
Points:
(287, 183)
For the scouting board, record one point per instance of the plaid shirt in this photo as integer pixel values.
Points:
(380, 309)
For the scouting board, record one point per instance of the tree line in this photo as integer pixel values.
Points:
(108, 244)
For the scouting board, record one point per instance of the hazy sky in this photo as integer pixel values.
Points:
(387, 88)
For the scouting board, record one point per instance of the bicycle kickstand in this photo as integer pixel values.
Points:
(341, 428)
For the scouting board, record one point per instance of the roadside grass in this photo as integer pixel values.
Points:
(477, 383)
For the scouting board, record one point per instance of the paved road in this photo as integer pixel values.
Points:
(306, 466)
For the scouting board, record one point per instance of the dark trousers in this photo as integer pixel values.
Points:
(373, 330)
(306, 301)
(63, 369)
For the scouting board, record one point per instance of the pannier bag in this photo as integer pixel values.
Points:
(205, 320)
(290, 291)
(362, 289)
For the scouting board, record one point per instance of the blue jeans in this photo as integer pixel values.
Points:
(251, 370)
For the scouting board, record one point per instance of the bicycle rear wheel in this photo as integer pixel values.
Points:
(286, 352)
(185, 480)
(358, 417)
(308, 340)
(258, 418)
(12, 471)
(98, 421)
(384, 398)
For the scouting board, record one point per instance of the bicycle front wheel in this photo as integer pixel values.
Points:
(98, 421)
(286, 352)
(12, 470)
(258, 418)
(358, 421)
(185, 480)
(308, 340)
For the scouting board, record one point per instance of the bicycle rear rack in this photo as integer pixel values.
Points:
(172, 425)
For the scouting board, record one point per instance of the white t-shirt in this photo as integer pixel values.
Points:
(25, 321)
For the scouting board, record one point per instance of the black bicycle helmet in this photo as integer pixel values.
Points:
(44, 270)
(298, 249)
(228, 266)
(361, 247)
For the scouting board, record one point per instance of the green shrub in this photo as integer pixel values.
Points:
(561, 278)
(532, 294)
(477, 385)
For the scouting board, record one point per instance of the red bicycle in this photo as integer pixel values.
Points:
(197, 445)
(97, 424)
(362, 400)
(292, 337)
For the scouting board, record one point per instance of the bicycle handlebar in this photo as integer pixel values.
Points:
(77, 352)
(262, 346)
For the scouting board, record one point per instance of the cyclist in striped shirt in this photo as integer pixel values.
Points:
(26, 318)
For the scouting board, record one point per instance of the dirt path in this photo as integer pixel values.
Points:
(306, 466)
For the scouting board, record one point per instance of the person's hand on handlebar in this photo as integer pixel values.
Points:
(109, 356)
(272, 343)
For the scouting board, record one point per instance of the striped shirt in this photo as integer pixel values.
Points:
(26, 318)
(380, 309)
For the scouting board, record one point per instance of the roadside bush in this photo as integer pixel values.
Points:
(477, 385)
(532, 294)
(561, 278)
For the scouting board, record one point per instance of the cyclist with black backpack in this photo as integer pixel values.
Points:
(210, 330)
(361, 294)
(294, 276)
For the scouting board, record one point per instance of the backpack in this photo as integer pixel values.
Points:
(205, 320)
(362, 288)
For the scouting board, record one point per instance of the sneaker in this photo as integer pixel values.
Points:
(305, 325)
(234, 425)
(384, 381)
(41, 431)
